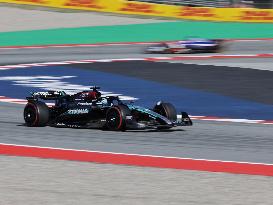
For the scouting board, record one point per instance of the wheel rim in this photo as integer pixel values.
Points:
(113, 119)
(30, 115)
(161, 111)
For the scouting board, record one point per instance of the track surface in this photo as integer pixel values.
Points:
(34, 181)
(220, 141)
(60, 182)
(110, 52)
(249, 84)
(257, 64)
(51, 182)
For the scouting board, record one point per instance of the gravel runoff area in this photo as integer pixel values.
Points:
(34, 181)
(20, 18)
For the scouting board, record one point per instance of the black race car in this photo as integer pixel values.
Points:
(88, 109)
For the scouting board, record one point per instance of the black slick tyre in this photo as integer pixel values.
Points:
(167, 110)
(36, 114)
(116, 118)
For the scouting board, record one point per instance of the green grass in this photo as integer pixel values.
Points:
(137, 33)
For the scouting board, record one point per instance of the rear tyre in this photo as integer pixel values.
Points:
(116, 118)
(220, 47)
(36, 114)
(167, 110)
(167, 51)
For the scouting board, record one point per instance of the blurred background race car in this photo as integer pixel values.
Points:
(193, 45)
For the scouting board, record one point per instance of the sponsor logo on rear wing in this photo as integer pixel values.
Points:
(49, 95)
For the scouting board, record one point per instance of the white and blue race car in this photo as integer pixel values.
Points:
(194, 45)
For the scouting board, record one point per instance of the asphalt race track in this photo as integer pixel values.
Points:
(248, 84)
(16, 56)
(206, 140)
(56, 182)
(234, 88)
(230, 88)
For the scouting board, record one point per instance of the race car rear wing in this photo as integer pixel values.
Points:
(48, 95)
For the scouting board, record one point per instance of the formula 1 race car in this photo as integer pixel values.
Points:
(188, 46)
(88, 109)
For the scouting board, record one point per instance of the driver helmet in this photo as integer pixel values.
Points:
(93, 95)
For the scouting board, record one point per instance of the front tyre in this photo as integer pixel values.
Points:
(116, 118)
(36, 114)
(167, 110)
